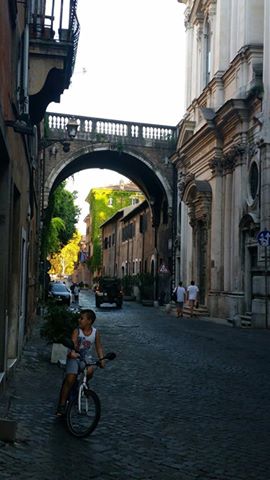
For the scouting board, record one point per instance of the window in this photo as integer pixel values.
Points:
(207, 51)
(143, 223)
(253, 180)
(128, 231)
(134, 201)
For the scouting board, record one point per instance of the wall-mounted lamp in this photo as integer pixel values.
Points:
(71, 128)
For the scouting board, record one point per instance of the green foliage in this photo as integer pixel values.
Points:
(62, 263)
(65, 208)
(104, 203)
(128, 281)
(59, 322)
(54, 230)
(145, 281)
(61, 217)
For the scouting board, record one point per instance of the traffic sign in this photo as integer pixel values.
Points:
(163, 269)
(263, 238)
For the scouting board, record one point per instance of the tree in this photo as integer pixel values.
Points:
(65, 208)
(60, 221)
(62, 263)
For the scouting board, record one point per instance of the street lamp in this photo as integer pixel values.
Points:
(72, 127)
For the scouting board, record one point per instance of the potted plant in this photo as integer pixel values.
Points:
(127, 285)
(59, 322)
(145, 282)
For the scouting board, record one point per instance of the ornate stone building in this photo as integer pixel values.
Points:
(223, 157)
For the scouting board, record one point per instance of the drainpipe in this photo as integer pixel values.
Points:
(26, 59)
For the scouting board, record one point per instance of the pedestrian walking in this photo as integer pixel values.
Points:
(180, 292)
(76, 292)
(192, 292)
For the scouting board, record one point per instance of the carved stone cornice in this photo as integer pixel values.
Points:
(226, 163)
(252, 149)
(232, 157)
(187, 18)
(182, 181)
(215, 165)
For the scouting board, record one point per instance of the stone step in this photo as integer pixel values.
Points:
(245, 320)
(201, 311)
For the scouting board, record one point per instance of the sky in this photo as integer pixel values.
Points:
(130, 66)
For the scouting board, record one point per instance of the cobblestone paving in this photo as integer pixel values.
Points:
(184, 400)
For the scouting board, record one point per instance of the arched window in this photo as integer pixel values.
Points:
(207, 58)
(253, 180)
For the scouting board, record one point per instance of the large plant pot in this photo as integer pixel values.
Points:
(59, 353)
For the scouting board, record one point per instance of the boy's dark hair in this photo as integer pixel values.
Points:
(89, 313)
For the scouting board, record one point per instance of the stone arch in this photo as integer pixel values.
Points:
(135, 165)
(198, 198)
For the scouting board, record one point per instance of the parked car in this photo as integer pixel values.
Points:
(60, 293)
(109, 290)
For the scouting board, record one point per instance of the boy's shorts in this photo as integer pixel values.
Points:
(72, 365)
(179, 304)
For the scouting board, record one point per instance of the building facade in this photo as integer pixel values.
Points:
(35, 68)
(223, 157)
(103, 203)
(129, 247)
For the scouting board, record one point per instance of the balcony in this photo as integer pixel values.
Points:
(53, 39)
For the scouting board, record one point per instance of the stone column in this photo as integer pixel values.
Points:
(189, 53)
(227, 231)
(216, 236)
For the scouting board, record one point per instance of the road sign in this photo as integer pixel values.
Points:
(163, 269)
(263, 238)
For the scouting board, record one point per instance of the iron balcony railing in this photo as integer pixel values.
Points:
(56, 20)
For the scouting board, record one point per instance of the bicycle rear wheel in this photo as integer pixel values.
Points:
(82, 423)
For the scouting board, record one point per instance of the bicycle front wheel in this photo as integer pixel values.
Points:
(81, 422)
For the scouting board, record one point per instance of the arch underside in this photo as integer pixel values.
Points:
(126, 164)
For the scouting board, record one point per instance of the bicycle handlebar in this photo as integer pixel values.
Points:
(67, 342)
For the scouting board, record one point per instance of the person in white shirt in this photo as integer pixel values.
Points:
(180, 299)
(192, 291)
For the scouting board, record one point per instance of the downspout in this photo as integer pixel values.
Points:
(26, 59)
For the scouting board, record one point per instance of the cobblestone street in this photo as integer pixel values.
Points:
(184, 400)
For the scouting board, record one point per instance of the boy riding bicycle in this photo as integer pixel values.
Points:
(84, 338)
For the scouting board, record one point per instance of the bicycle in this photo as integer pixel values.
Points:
(83, 405)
